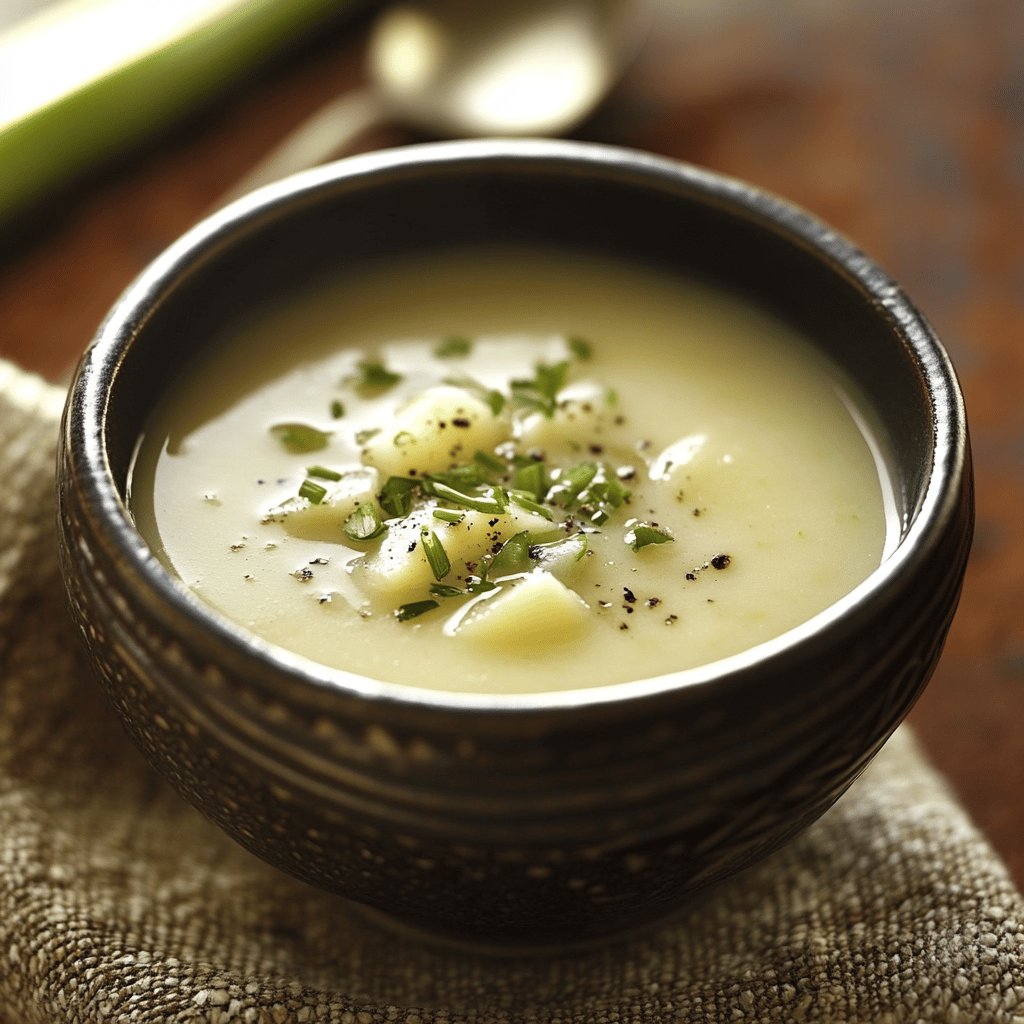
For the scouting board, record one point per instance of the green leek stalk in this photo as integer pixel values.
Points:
(84, 78)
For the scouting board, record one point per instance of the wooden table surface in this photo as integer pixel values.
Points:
(901, 124)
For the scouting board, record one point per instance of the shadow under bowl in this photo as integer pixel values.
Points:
(546, 818)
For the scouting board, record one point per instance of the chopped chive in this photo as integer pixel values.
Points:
(448, 516)
(642, 534)
(609, 491)
(362, 436)
(364, 523)
(446, 590)
(397, 495)
(337, 410)
(313, 491)
(526, 394)
(565, 549)
(479, 585)
(405, 612)
(551, 379)
(496, 401)
(440, 566)
(602, 497)
(489, 461)
(512, 556)
(532, 477)
(572, 482)
(460, 477)
(375, 378)
(541, 391)
(300, 437)
(453, 347)
(493, 502)
(402, 438)
(580, 348)
(323, 473)
(524, 499)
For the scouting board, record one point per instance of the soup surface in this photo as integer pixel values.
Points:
(513, 471)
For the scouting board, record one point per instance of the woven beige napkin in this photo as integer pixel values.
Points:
(118, 902)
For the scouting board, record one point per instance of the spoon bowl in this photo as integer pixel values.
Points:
(533, 68)
(458, 68)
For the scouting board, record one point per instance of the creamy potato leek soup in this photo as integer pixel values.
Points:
(511, 472)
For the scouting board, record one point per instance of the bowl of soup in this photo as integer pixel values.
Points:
(513, 537)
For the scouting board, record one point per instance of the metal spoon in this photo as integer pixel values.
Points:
(456, 68)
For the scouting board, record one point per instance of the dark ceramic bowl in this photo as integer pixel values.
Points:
(547, 818)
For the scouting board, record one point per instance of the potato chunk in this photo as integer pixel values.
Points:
(582, 414)
(531, 615)
(438, 429)
(325, 521)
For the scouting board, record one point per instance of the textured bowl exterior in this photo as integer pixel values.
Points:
(554, 819)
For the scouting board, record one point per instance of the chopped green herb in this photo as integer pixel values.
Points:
(453, 347)
(524, 499)
(610, 491)
(323, 473)
(580, 348)
(397, 495)
(446, 590)
(532, 477)
(402, 438)
(565, 550)
(460, 477)
(362, 436)
(589, 488)
(337, 410)
(375, 378)
(512, 556)
(364, 523)
(602, 497)
(479, 585)
(405, 612)
(551, 379)
(440, 566)
(300, 437)
(571, 483)
(490, 462)
(642, 534)
(448, 516)
(492, 500)
(312, 491)
(541, 392)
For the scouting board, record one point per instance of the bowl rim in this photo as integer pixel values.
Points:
(87, 407)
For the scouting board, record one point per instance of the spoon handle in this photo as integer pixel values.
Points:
(326, 134)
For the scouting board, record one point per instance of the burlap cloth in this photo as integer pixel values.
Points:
(118, 902)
